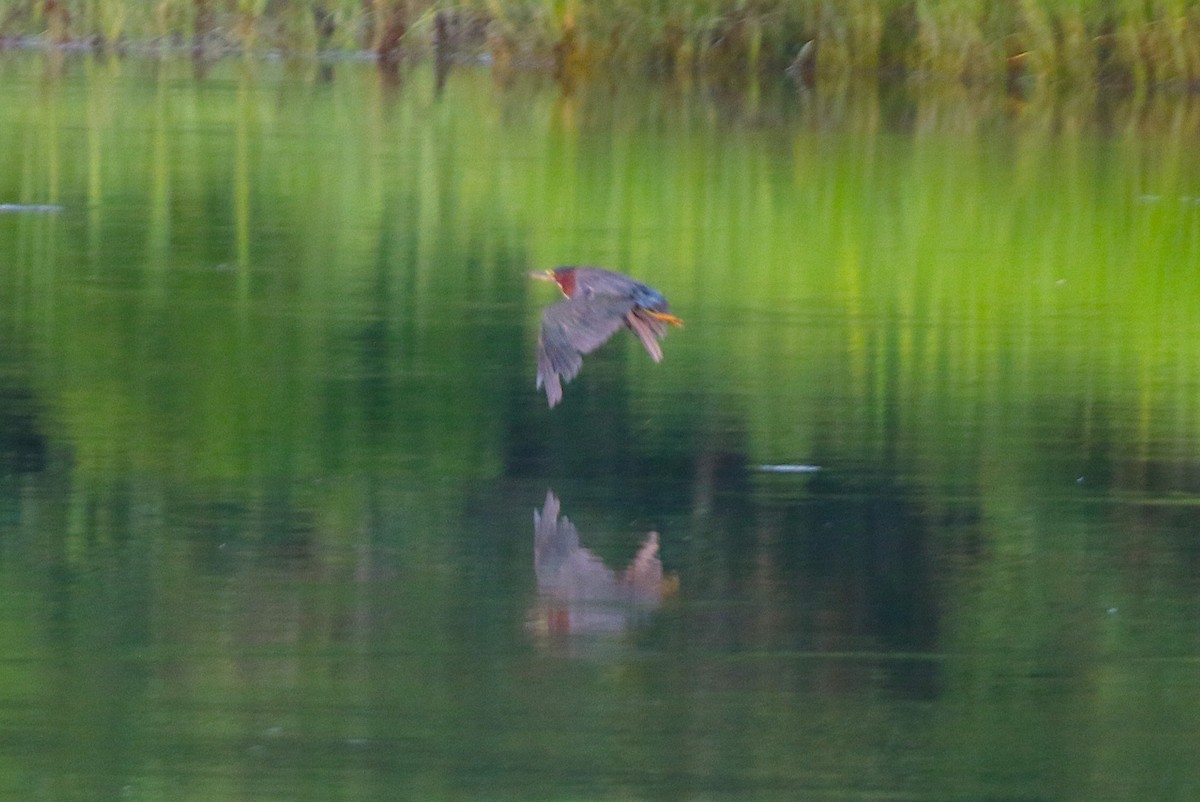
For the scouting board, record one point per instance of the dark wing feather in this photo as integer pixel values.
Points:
(555, 537)
(570, 329)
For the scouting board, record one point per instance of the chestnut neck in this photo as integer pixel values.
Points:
(565, 277)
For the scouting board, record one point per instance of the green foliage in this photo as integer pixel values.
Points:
(1082, 41)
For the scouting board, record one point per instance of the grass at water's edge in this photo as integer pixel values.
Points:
(1117, 42)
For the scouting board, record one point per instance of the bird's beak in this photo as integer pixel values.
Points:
(542, 275)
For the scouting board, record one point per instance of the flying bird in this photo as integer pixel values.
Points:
(577, 593)
(597, 303)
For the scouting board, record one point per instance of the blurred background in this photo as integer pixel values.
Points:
(923, 464)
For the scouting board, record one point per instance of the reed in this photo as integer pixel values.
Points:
(1126, 42)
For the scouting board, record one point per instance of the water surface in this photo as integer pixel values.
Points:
(270, 445)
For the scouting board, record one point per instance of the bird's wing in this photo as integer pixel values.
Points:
(565, 570)
(570, 329)
(554, 536)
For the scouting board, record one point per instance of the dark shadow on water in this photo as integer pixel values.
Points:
(844, 562)
(22, 444)
(866, 542)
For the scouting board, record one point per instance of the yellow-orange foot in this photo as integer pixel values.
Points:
(665, 318)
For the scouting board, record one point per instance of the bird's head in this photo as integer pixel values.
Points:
(564, 277)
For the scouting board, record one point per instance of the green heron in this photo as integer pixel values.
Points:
(577, 593)
(598, 303)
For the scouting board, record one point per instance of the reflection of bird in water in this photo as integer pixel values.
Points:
(578, 593)
(598, 303)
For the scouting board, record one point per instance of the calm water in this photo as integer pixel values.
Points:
(910, 510)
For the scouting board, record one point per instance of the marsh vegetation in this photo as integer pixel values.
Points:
(1125, 43)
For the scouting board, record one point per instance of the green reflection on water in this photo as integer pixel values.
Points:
(218, 233)
(270, 440)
